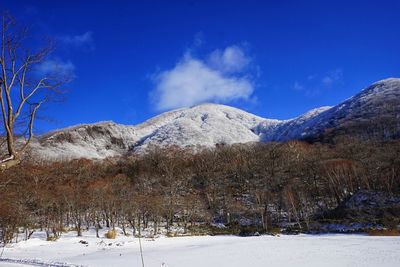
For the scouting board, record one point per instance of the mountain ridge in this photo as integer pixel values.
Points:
(208, 124)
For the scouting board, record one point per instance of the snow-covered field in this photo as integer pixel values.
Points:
(230, 251)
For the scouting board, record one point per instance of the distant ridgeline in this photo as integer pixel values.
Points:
(372, 114)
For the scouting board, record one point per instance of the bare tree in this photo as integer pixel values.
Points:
(26, 83)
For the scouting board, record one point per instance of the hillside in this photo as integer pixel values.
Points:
(373, 113)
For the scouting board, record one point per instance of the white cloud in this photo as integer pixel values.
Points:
(231, 59)
(56, 67)
(193, 81)
(84, 40)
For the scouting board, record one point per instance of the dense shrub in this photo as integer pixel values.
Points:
(111, 234)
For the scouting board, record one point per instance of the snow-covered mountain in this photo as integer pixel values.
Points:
(202, 125)
(374, 111)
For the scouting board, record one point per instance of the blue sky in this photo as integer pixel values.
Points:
(276, 59)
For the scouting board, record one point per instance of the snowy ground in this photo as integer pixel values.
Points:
(229, 251)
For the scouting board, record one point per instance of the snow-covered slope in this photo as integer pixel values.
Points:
(374, 111)
(93, 141)
(289, 129)
(204, 125)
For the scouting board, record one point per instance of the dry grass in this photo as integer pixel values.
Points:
(384, 232)
(52, 238)
(111, 234)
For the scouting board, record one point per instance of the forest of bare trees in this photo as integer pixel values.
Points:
(260, 186)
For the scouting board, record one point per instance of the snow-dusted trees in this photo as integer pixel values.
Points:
(27, 81)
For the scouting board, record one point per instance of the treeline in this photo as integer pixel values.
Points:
(260, 185)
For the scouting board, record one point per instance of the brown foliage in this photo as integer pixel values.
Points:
(384, 232)
(262, 184)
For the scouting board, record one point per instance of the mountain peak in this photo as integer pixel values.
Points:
(214, 106)
(388, 80)
(208, 104)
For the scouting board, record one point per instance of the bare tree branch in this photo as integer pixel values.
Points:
(21, 85)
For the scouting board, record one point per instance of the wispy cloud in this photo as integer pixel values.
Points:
(84, 40)
(198, 39)
(220, 77)
(56, 67)
(332, 77)
(297, 86)
(314, 84)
